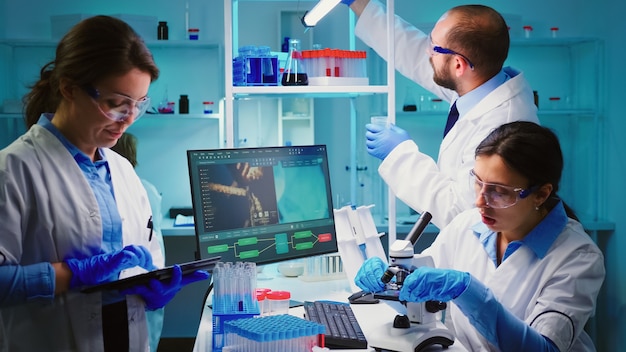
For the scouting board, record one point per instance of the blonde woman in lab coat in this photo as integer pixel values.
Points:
(460, 61)
(74, 213)
(519, 270)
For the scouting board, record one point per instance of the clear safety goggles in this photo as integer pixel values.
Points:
(436, 49)
(118, 107)
(499, 196)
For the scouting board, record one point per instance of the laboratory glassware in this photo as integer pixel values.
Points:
(295, 72)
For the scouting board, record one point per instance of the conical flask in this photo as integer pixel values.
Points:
(295, 72)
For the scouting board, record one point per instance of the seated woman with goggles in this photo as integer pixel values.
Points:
(519, 269)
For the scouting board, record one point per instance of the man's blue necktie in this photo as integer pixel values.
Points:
(452, 117)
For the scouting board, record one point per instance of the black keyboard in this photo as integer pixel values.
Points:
(342, 328)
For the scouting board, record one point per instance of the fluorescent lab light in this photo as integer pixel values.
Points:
(318, 12)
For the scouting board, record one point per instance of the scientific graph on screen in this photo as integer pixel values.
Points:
(262, 204)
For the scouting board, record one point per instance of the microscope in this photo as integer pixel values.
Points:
(421, 326)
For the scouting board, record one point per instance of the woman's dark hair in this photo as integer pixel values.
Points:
(96, 48)
(482, 35)
(531, 150)
(126, 146)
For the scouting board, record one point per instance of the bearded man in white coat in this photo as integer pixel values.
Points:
(461, 61)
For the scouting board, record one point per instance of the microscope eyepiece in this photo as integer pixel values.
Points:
(394, 270)
(387, 276)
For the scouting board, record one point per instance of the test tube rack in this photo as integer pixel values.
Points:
(234, 296)
(323, 268)
(272, 333)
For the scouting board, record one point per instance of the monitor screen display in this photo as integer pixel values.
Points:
(262, 205)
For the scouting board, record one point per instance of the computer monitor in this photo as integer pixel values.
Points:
(262, 205)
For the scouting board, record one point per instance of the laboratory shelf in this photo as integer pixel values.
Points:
(182, 116)
(11, 116)
(597, 225)
(566, 112)
(182, 44)
(29, 43)
(556, 112)
(551, 42)
(309, 91)
(153, 44)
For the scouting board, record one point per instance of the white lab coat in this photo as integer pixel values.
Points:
(566, 280)
(155, 317)
(442, 188)
(48, 213)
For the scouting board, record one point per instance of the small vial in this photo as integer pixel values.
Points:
(527, 31)
(436, 104)
(194, 33)
(261, 296)
(278, 302)
(162, 31)
(554, 31)
(555, 103)
(207, 107)
(183, 104)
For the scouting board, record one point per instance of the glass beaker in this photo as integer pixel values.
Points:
(409, 100)
(295, 72)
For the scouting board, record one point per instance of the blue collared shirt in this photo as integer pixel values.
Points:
(466, 102)
(99, 177)
(539, 240)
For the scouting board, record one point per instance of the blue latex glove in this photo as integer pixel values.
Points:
(368, 278)
(347, 2)
(431, 284)
(107, 267)
(157, 294)
(381, 140)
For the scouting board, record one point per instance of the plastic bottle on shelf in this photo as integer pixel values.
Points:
(285, 46)
(183, 104)
(295, 72)
(536, 97)
(555, 103)
(207, 107)
(527, 31)
(194, 33)
(162, 31)
(436, 104)
(554, 31)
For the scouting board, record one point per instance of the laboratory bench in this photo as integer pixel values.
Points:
(183, 313)
(369, 316)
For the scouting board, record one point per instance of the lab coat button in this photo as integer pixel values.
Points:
(93, 213)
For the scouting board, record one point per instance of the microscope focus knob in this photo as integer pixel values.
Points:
(435, 306)
(401, 322)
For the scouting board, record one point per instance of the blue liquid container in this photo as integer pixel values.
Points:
(255, 66)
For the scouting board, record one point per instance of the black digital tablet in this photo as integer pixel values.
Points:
(163, 274)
